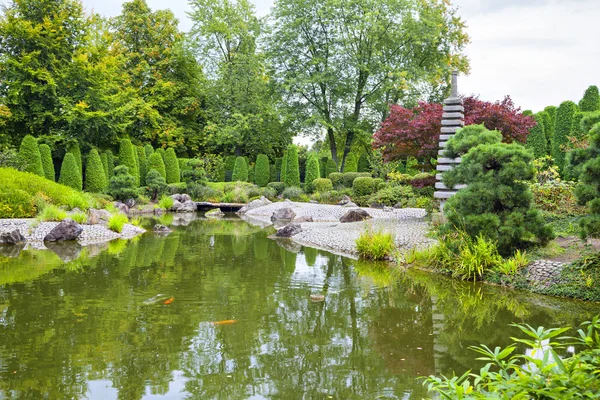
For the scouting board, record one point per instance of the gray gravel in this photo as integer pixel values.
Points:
(544, 272)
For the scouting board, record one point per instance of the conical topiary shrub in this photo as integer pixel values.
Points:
(261, 170)
(330, 167)
(312, 171)
(240, 170)
(73, 148)
(283, 172)
(590, 100)
(95, 178)
(149, 150)
(172, 166)
(105, 165)
(564, 127)
(127, 157)
(30, 153)
(351, 163)
(292, 172)
(536, 140)
(155, 162)
(110, 164)
(69, 173)
(47, 163)
(142, 164)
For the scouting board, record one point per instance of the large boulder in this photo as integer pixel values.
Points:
(263, 201)
(350, 205)
(289, 230)
(345, 200)
(65, 230)
(214, 213)
(122, 207)
(187, 206)
(98, 216)
(130, 203)
(286, 214)
(355, 216)
(182, 198)
(13, 237)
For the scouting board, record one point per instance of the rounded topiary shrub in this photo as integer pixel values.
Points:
(69, 173)
(292, 171)
(122, 185)
(142, 164)
(312, 171)
(156, 163)
(47, 162)
(351, 163)
(95, 178)
(240, 170)
(322, 185)
(278, 186)
(30, 154)
(348, 178)
(363, 186)
(336, 178)
(172, 166)
(127, 157)
(590, 100)
(378, 184)
(261, 170)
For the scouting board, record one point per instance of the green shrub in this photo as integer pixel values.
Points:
(95, 178)
(118, 220)
(292, 171)
(536, 140)
(155, 184)
(412, 166)
(322, 185)
(363, 186)
(348, 178)
(16, 203)
(162, 153)
(363, 163)
(30, 154)
(177, 188)
(166, 202)
(551, 110)
(206, 193)
(590, 100)
(142, 163)
(127, 156)
(278, 186)
(293, 193)
(564, 127)
(589, 120)
(80, 217)
(149, 150)
(51, 213)
(235, 194)
(330, 167)
(47, 163)
(69, 173)
(155, 162)
(548, 129)
(172, 166)
(110, 164)
(104, 160)
(351, 163)
(122, 186)
(497, 203)
(73, 148)
(251, 173)
(282, 173)
(376, 245)
(229, 165)
(378, 184)
(262, 173)
(240, 170)
(336, 179)
(312, 171)
(392, 196)
(274, 170)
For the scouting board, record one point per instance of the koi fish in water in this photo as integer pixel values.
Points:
(225, 322)
(169, 301)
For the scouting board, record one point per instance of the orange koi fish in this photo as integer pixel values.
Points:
(225, 322)
(169, 301)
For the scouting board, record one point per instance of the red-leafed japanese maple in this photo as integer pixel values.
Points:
(415, 131)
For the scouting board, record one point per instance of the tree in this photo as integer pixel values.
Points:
(69, 173)
(240, 170)
(47, 163)
(143, 164)
(30, 154)
(123, 185)
(564, 125)
(172, 166)
(155, 184)
(261, 175)
(551, 110)
(590, 100)
(351, 163)
(357, 58)
(127, 158)
(548, 129)
(496, 203)
(292, 170)
(95, 178)
(155, 162)
(536, 140)
(73, 148)
(312, 171)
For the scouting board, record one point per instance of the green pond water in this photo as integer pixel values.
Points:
(234, 320)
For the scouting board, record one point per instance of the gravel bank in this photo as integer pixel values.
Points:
(408, 225)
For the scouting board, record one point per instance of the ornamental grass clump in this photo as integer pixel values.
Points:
(375, 245)
(117, 221)
(166, 202)
(51, 213)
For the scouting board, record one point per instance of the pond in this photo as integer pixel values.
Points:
(217, 310)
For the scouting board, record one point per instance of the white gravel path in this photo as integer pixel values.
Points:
(408, 225)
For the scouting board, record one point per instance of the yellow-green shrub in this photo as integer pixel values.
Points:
(51, 213)
(322, 185)
(376, 245)
(117, 221)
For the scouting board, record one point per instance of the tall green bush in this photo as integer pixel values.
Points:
(155, 162)
(95, 178)
(73, 148)
(548, 130)
(564, 125)
(363, 163)
(110, 163)
(240, 170)
(351, 163)
(284, 163)
(292, 171)
(330, 167)
(30, 154)
(143, 164)
(590, 100)
(229, 166)
(69, 173)
(127, 157)
(104, 160)
(47, 162)
(162, 153)
(261, 170)
(497, 203)
(551, 110)
(312, 171)
(123, 185)
(149, 150)
(536, 140)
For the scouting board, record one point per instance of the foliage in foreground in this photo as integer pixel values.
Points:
(539, 374)
(117, 221)
(375, 245)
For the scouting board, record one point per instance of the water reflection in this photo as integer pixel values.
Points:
(82, 328)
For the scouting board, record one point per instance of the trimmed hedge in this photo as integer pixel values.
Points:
(282, 174)
(351, 163)
(312, 171)
(240, 170)
(261, 170)
(349, 177)
(229, 165)
(551, 110)
(590, 100)
(292, 171)
(95, 178)
(363, 186)
(172, 166)
(69, 173)
(110, 164)
(142, 163)
(149, 150)
(322, 185)
(330, 167)
(127, 156)
(47, 163)
(363, 163)
(336, 178)
(536, 140)
(30, 153)
(156, 162)
(564, 125)
(74, 149)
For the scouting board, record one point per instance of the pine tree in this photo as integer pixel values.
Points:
(110, 163)
(172, 166)
(536, 140)
(73, 148)
(312, 171)
(47, 163)
(564, 125)
(95, 178)
(261, 170)
(30, 154)
(127, 155)
(351, 163)
(69, 172)
(240, 170)
(292, 171)
(143, 164)
(122, 185)
(590, 100)
(149, 150)
(155, 162)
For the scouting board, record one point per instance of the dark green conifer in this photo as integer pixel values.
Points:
(69, 172)
(30, 154)
(47, 163)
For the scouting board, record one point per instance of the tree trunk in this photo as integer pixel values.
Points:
(332, 145)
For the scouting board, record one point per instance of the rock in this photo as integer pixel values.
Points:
(187, 206)
(182, 198)
(66, 251)
(350, 205)
(130, 203)
(214, 213)
(317, 297)
(289, 230)
(388, 209)
(305, 218)
(398, 205)
(289, 245)
(122, 207)
(97, 216)
(345, 200)
(263, 201)
(13, 237)
(378, 206)
(65, 230)
(313, 202)
(283, 213)
(158, 228)
(355, 216)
